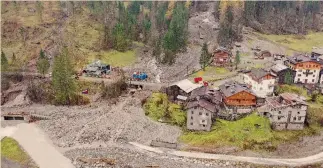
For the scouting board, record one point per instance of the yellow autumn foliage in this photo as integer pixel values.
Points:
(171, 6)
(237, 7)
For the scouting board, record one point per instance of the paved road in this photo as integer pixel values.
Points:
(35, 143)
(255, 160)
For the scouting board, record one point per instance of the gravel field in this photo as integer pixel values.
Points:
(102, 123)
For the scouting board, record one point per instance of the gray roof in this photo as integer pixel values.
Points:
(258, 73)
(232, 87)
(204, 104)
(209, 93)
(186, 85)
(318, 51)
(299, 58)
(278, 67)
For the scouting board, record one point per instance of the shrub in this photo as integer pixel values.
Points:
(177, 115)
(79, 100)
(158, 107)
(40, 92)
(114, 90)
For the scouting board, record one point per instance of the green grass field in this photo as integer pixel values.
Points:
(244, 134)
(298, 42)
(11, 150)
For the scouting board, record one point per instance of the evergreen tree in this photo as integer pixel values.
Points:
(226, 32)
(288, 78)
(205, 56)
(42, 54)
(63, 83)
(119, 38)
(237, 59)
(176, 36)
(13, 59)
(4, 62)
(42, 63)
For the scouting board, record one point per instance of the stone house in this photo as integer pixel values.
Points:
(307, 69)
(221, 57)
(200, 114)
(286, 111)
(202, 108)
(237, 97)
(260, 81)
(280, 71)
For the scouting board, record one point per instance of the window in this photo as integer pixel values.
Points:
(299, 75)
(203, 125)
(191, 118)
(279, 112)
(203, 121)
(298, 112)
(314, 71)
(207, 114)
(191, 123)
(312, 80)
(300, 70)
(294, 118)
(192, 112)
(279, 117)
(195, 107)
(299, 118)
(299, 79)
(313, 75)
(200, 113)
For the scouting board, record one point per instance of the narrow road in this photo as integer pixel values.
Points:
(255, 160)
(35, 143)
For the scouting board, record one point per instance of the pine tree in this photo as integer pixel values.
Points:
(176, 36)
(226, 32)
(205, 56)
(42, 63)
(4, 62)
(63, 83)
(288, 78)
(237, 59)
(119, 38)
(13, 59)
(41, 54)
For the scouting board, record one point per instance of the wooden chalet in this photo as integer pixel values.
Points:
(221, 57)
(236, 94)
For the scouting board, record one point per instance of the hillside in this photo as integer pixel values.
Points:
(28, 27)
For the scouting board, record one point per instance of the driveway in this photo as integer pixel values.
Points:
(39, 148)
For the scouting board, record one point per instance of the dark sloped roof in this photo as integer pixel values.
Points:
(258, 73)
(299, 58)
(204, 104)
(232, 87)
(205, 91)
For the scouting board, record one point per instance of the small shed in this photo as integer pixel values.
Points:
(181, 90)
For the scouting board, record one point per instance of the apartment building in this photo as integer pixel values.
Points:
(307, 69)
(260, 81)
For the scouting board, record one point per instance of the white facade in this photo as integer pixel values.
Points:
(263, 88)
(307, 76)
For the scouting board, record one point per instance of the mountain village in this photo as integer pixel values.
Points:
(162, 84)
